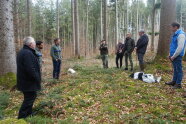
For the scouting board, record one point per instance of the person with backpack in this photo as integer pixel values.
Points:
(129, 48)
(119, 54)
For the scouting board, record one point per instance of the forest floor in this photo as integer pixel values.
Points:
(96, 95)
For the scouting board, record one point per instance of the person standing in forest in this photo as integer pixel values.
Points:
(104, 53)
(28, 76)
(129, 48)
(39, 47)
(177, 51)
(56, 54)
(119, 54)
(141, 48)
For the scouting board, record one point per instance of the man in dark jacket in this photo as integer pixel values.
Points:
(28, 76)
(141, 48)
(104, 53)
(129, 48)
(119, 54)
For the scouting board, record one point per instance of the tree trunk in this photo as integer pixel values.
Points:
(76, 19)
(153, 20)
(101, 18)
(7, 47)
(168, 15)
(57, 17)
(137, 19)
(94, 37)
(116, 17)
(16, 26)
(86, 29)
(73, 26)
(181, 14)
(29, 32)
(105, 20)
(127, 18)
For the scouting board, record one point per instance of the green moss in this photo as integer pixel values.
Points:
(13, 121)
(8, 80)
(4, 99)
(39, 120)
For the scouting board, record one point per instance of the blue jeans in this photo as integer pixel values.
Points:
(140, 58)
(56, 68)
(178, 70)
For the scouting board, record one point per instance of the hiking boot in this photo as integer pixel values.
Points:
(172, 83)
(177, 86)
(126, 69)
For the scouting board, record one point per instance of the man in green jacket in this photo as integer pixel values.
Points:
(129, 48)
(56, 55)
(104, 53)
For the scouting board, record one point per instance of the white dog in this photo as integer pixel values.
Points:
(72, 71)
(148, 78)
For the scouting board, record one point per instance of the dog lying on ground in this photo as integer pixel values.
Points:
(71, 71)
(148, 78)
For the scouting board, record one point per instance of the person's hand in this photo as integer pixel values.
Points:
(56, 59)
(172, 58)
(135, 49)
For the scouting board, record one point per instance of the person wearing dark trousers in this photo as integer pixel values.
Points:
(141, 48)
(177, 51)
(119, 54)
(129, 48)
(56, 55)
(104, 53)
(28, 76)
(39, 47)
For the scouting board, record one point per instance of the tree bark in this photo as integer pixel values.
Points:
(57, 17)
(116, 17)
(16, 26)
(137, 19)
(86, 29)
(168, 15)
(153, 20)
(101, 18)
(29, 24)
(105, 20)
(7, 47)
(73, 26)
(76, 19)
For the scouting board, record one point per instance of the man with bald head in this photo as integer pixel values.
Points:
(141, 48)
(129, 48)
(28, 76)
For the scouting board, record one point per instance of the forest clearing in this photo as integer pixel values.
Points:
(92, 62)
(96, 95)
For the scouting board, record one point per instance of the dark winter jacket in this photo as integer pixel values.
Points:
(142, 44)
(120, 48)
(103, 49)
(129, 45)
(28, 70)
